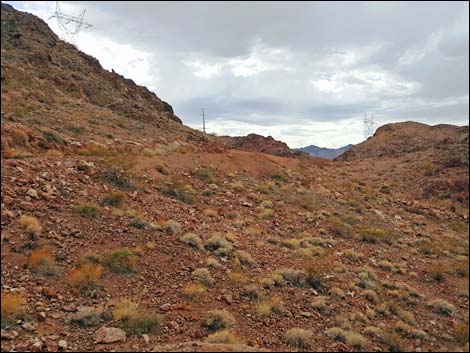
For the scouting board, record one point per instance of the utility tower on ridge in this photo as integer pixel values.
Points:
(203, 121)
(64, 20)
(368, 126)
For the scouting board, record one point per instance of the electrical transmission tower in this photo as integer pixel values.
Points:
(203, 121)
(70, 25)
(368, 126)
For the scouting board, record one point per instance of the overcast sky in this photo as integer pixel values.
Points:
(303, 72)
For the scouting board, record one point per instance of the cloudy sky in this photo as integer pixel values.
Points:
(303, 72)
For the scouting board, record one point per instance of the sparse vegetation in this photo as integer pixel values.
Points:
(88, 210)
(204, 174)
(203, 276)
(13, 307)
(460, 332)
(135, 320)
(120, 261)
(319, 303)
(371, 296)
(117, 173)
(352, 255)
(337, 293)
(41, 262)
(193, 291)
(376, 235)
(225, 337)
(317, 269)
(218, 245)
(238, 278)
(31, 225)
(86, 276)
(306, 202)
(244, 258)
(172, 227)
(218, 319)
(298, 338)
(266, 307)
(442, 307)
(179, 191)
(192, 240)
(115, 199)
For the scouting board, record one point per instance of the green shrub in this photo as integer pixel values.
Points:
(115, 199)
(88, 210)
(120, 261)
(218, 319)
(178, 191)
(204, 175)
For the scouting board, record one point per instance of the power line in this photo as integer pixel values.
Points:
(203, 121)
(368, 126)
(63, 20)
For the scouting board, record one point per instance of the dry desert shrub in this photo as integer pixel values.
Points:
(266, 307)
(352, 255)
(204, 174)
(41, 261)
(212, 263)
(97, 149)
(244, 258)
(54, 153)
(193, 291)
(115, 199)
(371, 296)
(203, 276)
(218, 319)
(440, 306)
(88, 210)
(317, 269)
(218, 245)
(31, 225)
(86, 276)
(225, 337)
(192, 240)
(120, 261)
(375, 235)
(319, 303)
(12, 307)
(238, 278)
(15, 153)
(209, 212)
(135, 320)
(171, 227)
(298, 338)
(179, 191)
(460, 332)
(306, 202)
(337, 293)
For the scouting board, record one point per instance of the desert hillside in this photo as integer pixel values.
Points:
(124, 230)
(401, 138)
(258, 143)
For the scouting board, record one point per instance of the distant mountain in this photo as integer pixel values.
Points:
(328, 153)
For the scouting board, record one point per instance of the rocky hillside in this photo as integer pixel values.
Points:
(401, 138)
(322, 152)
(123, 230)
(51, 71)
(258, 143)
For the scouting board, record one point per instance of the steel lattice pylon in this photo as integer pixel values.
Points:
(368, 126)
(63, 20)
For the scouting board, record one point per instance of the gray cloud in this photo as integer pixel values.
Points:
(284, 64)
